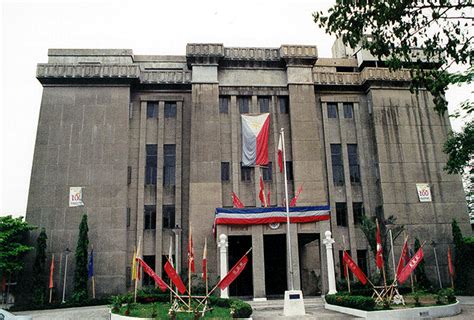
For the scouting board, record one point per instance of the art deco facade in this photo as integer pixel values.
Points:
(155, 143)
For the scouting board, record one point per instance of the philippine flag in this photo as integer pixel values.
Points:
(255, 139)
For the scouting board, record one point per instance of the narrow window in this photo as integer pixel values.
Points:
(169, 216)
(170, 109)
(128, 217)
(289, 170)
(332, 110)
(151, 162)
(341, 214)
(225, 171)
(264, 104)
(362, 260)
(243, 104)
(152, 109)
(149, 221)
(224, 104)
(245, 174)
(267, 172)
(169, 165)
(348, 110)
(337, 165)
(129, 175)
(358, 210)
(284, 104)
(354, 169)
(147, 280)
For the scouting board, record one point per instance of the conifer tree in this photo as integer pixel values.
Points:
(80, 293)
(39, 267)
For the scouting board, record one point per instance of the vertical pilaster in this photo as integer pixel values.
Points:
(258, 267)
(159, 188)
(141, 177)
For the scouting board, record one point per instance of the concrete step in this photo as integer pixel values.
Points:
(278, 304)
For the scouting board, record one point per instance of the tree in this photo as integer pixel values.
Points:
(439, 29)
(420, 273)
(39, 267)
(13, 239)
(80, 273)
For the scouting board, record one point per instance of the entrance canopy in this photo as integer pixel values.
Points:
(244, 216)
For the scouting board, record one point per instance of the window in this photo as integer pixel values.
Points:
(341, 214)
(332, 110)
(243, 104)
(358, 211)
(264, 104)
(149, 221)
(168, 216)
(152, 109)
(225, 171)
(151, 162)
(245, 174)
(362, 260)
(267, 172)
(129, 175)
(284, 104)
(170, 109)
(354, 169)
(169, 165)
(147, 280)
(348, 110)
(289, 170)
(341, 264)
(128, 217)
(337, 166)
(224, 104)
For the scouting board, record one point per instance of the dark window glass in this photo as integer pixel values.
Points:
(362, 260)
(147, 280)
(332, 110)
(289, 170)
(341, 265)
(341, 214)
(169, 165)
(264, 104)
(129, 174)
(358, 210)
(168, 216)
(245, 174)
(243, 104)
(224, 104)
(337, 166)
(225, 171)
(149, 221)
(170, 109)
(284, 104)
(267, 172)
(151, 162)
(348, 110)
(354, 169)
(152, 109)
(128, 217)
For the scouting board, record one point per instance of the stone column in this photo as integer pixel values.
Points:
(330, 260)
(223, 244)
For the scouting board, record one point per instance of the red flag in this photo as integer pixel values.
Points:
(293, 201)
(379, 254)
(261, 194)
(233, 273)
(191, 252)
(236, 201)
(280, 154)
(161, 284)
(204, 261)
(403, 258)
(354, 268)
(51, 272)
(344, 267)
(174, 276)
(405, 273)
(450, 263)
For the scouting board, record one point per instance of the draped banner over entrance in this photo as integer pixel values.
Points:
(270, 215)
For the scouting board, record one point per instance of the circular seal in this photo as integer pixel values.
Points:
(274, 225)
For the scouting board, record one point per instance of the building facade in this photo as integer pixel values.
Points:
(155, 144)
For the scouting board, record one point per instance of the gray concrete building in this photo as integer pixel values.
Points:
(155, 143)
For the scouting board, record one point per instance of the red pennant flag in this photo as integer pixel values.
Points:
(233, 273)
(51, 272)
(450, 263)
(379, 254)
(204, 261)
(403, 258)
(191, 252)
(171, 272)
(261, 194)
(354, 268)
(161, 284)
(405, 273)
(293, 201)
(236, 201)
(280, 154)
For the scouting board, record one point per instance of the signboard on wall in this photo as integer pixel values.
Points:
(424, 192)
(75, 197)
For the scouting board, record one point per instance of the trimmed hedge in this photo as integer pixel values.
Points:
(241, 309)
(349, 301)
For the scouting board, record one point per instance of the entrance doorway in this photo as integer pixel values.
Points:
(274, 247)
(243, 285)
(310, 263)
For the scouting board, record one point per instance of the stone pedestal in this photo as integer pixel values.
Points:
(330, 260)
(223, 244)
(294, 303)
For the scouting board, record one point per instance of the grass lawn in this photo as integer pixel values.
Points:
(146, 310)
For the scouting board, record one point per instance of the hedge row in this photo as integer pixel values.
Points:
(350, 301)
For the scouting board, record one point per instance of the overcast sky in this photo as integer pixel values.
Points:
(29, 28)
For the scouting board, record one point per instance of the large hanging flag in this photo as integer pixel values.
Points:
(280, 153)
(450, 263)
(379, 254)
(175, 278)
(403, 258)
(234, 272)
(191, 252)
(90, 267)
(354, 268)
(261, 194)
(255, 139)
(51, 273)
(297, 195)
(146, 268)
(408, 269)
(204, 261)
(236, 201)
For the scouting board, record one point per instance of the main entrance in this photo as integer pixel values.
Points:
(243, 285)
(274, 247)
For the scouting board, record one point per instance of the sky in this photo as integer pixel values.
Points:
(29, 28)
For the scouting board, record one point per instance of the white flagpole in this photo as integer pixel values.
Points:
(288, 234)
(393, 256)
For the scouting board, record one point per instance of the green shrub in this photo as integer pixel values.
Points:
(241, 309)
(445, 296)
(416, 297)
(350, 301)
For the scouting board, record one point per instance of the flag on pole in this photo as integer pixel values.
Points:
(204, 261)
(297, 195)
(90, 268)
(236, 201)
(233, 273)
(170, 252)
(403, 258)
(408, 269)
(175, 278)
(51, 273)
(146, 268)
(134, 264)
(354, 268)
(191, 251)
(255, 139)
(450, 263)
(280, 153)
(344, 266)
(379, 254)
(261, 194)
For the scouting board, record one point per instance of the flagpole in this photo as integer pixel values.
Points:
(93, 279)
(346, 267)
(383, 260)
(189, 267)
(50, 287)
(288, 234)
(393, 255)
(408, 249)
(207, 284)
(137, 267)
